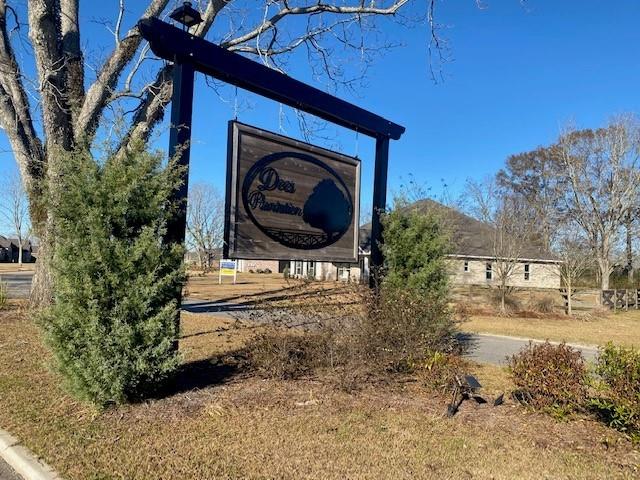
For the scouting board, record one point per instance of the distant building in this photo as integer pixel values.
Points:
(10, 251)
(472, 260)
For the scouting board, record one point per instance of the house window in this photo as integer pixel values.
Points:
(298, 267)
(527, 271)
(489, 271)
(466, 266)
(311, 269)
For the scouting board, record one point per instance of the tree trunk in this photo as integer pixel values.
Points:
(19, 253)
(503, 293)
(569, 309)
(629, 239)
(605, 270)
(42, 286)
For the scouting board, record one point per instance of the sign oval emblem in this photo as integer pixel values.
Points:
(297, 200)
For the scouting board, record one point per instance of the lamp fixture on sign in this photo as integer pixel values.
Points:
(186, 15)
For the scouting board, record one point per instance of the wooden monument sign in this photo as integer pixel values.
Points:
(289, 200)
(315, 237)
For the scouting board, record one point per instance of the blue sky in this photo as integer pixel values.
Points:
(518, 74)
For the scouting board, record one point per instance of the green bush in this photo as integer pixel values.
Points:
(410, 316)
(550, 377)
(618, 372)
(112, 323)
(415, 248)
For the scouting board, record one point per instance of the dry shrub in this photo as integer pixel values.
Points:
(544, 304)
(439, 371)
(400, 328)
(355, 335)
(286, 355)
(511, 303)
(550, 377)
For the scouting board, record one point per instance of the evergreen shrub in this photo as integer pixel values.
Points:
(112, 325)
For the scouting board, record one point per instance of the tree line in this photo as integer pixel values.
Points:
(578, 197)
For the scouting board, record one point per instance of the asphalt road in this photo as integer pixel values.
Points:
(495, 349)
(18, 284)
(7, 473)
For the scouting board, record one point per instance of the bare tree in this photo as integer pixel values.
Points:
(534, 177)
(573, 252)
(602, 181)
(510, 223)
(14, 208)
(54, 113)
(205, 222)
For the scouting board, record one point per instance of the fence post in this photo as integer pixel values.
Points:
(626, 300)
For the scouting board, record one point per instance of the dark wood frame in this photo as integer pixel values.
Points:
(190, 53)
(234, 131)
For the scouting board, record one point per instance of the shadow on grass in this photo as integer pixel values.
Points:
(202, 374)
(283, 293)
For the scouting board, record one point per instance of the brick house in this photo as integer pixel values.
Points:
(471, 259)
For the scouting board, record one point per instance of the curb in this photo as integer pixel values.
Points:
(23, 461)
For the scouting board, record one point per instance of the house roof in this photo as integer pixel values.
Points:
(7, 242)
(471, 237)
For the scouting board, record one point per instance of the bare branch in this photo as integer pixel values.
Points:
(151, 108)
(116, 32)
(15, 115)
(73, 54)
(102, 88)
(320, 7)
(45, 35)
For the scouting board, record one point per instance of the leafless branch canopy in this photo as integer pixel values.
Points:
(76, 85)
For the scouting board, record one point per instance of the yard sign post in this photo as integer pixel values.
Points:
(228, 268)
(190, 53)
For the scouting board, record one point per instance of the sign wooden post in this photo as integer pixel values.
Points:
(190, 53)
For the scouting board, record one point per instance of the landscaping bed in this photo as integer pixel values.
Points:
(220, 421)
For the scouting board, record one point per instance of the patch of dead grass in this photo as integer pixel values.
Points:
(14, 267)
(245, 427)
(621, 328)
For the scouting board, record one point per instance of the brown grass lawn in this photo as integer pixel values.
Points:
(221, 423)
(206, 287)
(14, 267)
(621, 328)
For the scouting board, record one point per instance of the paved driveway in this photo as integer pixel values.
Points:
(18, 284)
(495, 349)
